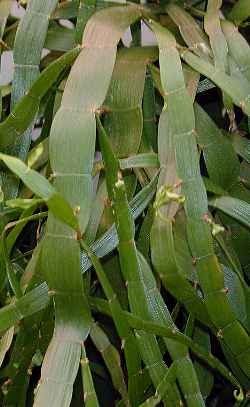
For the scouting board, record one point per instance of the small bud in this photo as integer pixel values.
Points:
(119, 183)
(239, 395)
(173, 196)
(77, 210)
(206, 218)
(219, 334)
(84, 361)
(166, 194)
(216, 229)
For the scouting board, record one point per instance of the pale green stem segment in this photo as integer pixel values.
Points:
(239, 48)
(162, 243)
(124, 119)
(218, 43)
(209, 273)
(131, 266)
(72, 148)
(238, 90)
(90, 397)
(191, 32)
(168, 199)
(213, 29)
(111, 358)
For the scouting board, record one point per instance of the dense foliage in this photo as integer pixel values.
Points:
(125, 204)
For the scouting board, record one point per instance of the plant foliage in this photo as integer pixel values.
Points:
(125, 204)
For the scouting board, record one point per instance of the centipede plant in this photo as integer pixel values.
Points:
(125, 203)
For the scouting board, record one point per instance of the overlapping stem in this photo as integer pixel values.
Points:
(133, 360)
(199, 235)
(131, 266)
(73, 129)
